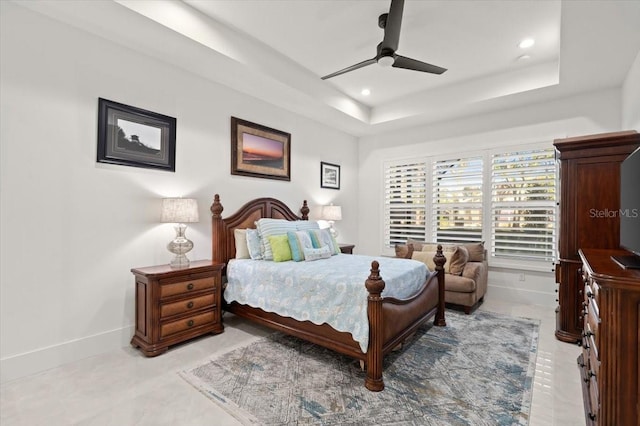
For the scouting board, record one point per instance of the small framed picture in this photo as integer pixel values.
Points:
(259, 151)
(329, 175)
(131, 136)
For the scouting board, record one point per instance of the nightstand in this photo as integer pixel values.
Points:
(174, 305)
(347, 248)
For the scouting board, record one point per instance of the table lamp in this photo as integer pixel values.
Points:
(332, 213)
(179, 211)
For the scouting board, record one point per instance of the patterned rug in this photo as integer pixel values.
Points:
(476, 371)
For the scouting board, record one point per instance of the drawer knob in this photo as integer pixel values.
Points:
(190, 286)
(190, 323)
(190, 305)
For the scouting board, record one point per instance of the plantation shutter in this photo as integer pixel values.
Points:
(457, 200)
(404, 202)
(524, 204)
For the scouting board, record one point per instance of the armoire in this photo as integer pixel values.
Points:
(589, 201)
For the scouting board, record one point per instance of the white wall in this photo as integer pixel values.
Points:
(579, 115)
(72, 228)
(631, 97)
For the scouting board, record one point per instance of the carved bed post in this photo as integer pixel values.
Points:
(439, 259)
(304, 210)
(375, 285)
(218, 240)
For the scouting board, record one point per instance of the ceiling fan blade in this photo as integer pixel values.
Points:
(415, 65)
(392, 28)
(351, 68)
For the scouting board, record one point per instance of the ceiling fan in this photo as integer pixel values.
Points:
(386, 51)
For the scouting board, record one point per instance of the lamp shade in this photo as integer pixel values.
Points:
(332, 212)
(179, 210)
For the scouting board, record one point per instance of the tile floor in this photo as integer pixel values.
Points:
(123, 388)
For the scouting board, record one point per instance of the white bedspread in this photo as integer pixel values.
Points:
(328, 291)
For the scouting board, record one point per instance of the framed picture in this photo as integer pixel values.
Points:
(132, 136)
(329, 175)
(259, 151)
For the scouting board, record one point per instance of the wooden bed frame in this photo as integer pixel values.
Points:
(391, 320)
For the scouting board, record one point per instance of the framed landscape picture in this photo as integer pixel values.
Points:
(259, 151)
(131, 136)
(329, 175)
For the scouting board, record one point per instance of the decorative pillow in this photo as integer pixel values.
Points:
(268, 227)
(476, 251)
(417, 245)
(304, 225)
(322, 237)
(298, 241)
(404, 250)
(242, 250)
(458, 260)
(311, 254)
(430, 249)
(254, 245)
(280, 247)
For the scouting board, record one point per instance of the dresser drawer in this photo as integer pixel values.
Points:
(173, 327)
(185, 287)
(590, 341)
(186, 305)
(594, 398)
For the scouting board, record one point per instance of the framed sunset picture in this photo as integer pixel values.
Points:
(259, 151)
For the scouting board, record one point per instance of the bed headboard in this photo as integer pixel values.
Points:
(223, 241)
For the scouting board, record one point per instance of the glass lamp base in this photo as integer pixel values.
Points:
(180, 246)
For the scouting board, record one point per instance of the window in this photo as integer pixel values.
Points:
(505, 197)
(457, 200)
(404, 202)
(523, 204)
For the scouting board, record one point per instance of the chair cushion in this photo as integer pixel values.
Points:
(459, 284)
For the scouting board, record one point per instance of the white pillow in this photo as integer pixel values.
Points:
(311, 254)
(242, 250)
(254, 245)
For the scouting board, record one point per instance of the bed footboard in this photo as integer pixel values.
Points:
(391, 320)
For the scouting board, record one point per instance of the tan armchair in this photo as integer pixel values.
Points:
(466, 270)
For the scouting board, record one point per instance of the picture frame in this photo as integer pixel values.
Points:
(131, 136)
(259, 151)
(329, 175)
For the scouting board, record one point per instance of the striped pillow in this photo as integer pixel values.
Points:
(298, 241)
(269, 227)
(302, 225)
(322, 237)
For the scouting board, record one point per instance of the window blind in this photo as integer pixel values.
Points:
(457, 200)
(523, 204)
(404, 202)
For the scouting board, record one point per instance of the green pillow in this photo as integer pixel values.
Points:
(280, 247)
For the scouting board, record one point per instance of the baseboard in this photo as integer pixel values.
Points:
(519, 295)
(28, 363)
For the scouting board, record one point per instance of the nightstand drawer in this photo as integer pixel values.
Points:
(184, 287)
(173, 327)
(186, 305)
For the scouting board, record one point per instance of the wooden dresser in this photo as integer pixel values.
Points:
(589, 200)
(173, 305)
(610, 360)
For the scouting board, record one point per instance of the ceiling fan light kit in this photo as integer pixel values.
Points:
(386, 51)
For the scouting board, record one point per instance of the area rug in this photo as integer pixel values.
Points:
(478, 370)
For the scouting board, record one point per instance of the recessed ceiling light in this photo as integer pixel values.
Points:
(526, 43)
(523, 57)
(366, 92)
